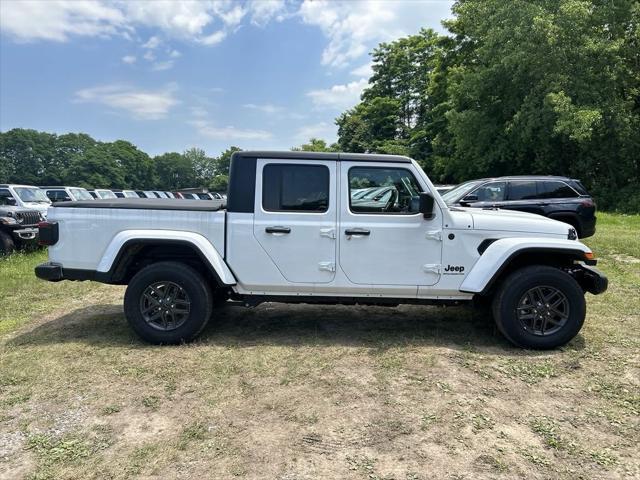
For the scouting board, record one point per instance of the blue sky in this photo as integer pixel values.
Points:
(168, 75)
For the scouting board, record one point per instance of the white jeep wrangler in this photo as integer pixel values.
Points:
(323, 228)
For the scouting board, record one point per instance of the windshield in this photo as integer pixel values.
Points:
(31, 194)
(80, 194)
(460, 191)
(106, 194)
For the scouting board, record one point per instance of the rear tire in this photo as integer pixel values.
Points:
(168, 303)
(539, 307)
(7, 246)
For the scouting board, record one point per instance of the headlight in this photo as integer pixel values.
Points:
(572, 235)
(19, 217)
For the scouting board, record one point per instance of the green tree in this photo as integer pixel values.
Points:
(173, 171)
(27, 155)
(135, 166)
(203, 166)
(95, 169)
(315, 145)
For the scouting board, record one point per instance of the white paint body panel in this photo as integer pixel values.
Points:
(405, 256)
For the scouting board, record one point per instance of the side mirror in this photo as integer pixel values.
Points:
(469, 199)
(426, 205)
(11, 201)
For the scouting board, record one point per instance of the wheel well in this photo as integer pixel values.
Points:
(136, 255)
(563, 260)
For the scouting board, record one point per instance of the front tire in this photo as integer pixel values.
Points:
(168, 303)
(539, 307)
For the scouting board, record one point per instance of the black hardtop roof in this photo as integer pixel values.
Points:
(337, 156)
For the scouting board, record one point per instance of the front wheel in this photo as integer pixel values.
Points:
(539, 307)
(168, 303)
(7, 245)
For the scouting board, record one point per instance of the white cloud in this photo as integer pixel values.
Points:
(263, 11)
(338, 97)
(174, 54)
(363, 71)
(141, 104)
(58, 20)
(322, 130)
(129, 59)
(153, 42)
(159, 66)
(149, 56)
(353, 28)
(208, 130)
(266, 108)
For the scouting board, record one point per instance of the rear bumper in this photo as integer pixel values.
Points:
(593, 280)
(54, 272)
(587, 227)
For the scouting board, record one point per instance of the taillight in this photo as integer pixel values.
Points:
(47, 233)
(588, 202)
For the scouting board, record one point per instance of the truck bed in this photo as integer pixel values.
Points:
(146, 204)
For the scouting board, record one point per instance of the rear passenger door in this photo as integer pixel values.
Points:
(522, 195)
(295, 217)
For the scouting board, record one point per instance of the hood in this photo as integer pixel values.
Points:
(514, 221)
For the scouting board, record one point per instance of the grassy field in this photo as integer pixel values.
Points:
(306, 392)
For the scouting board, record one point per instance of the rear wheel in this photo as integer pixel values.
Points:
(539, 307)
(168, 303)
(7, 246)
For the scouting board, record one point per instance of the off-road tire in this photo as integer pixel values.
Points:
(195, 286)
(7, 246)
(513, 288)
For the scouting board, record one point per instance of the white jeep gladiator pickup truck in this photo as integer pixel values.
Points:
(323, 228)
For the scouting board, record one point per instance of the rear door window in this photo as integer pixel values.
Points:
(295, 188)
(522, 190)
(554, 189)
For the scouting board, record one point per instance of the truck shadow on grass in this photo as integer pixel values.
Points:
(290, 325)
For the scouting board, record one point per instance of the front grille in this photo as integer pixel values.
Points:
(28, 218)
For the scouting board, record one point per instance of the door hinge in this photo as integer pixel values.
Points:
(327, 266)
(328, 232)
(432, 268)
(434, 235)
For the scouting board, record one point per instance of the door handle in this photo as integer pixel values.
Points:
(277, 230)
(358, 231)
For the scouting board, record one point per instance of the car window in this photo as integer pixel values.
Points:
(295, 188)
(456, 193)
(491, 192)
(31, 194)
(554, 189)
(81, 194)
(383, 190)
(6, 198)
(522, 190)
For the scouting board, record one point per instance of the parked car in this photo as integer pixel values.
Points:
(18, 226)
(66, 194)
(102, 194)
(560, 198)
(442, 189)
(278, 242)
(125, 193)
(169, 194)
(25, 196)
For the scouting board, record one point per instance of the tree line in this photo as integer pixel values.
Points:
(40, 158)
(517, 87)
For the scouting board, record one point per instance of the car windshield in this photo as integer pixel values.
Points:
(81, 194)
(31, 194)
(106, 194)
(460, 191)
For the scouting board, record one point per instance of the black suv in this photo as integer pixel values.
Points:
(560, 198)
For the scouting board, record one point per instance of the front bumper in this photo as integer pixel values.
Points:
(593, 280)
(26, 234)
